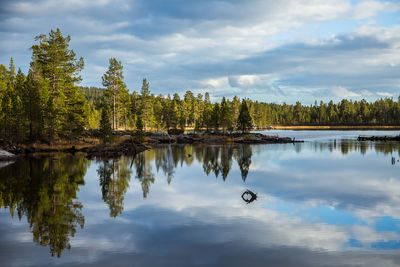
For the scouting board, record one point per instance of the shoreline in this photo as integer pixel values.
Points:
(129, 145)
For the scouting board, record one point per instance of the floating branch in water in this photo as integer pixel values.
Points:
(248, 196)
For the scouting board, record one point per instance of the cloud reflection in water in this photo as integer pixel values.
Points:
(319, 203)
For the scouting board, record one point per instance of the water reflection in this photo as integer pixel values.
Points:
(44, 190)
(114, 176)
(348, 146)
(312, 196)
(215, 159)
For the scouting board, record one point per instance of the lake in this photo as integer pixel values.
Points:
(329, 201)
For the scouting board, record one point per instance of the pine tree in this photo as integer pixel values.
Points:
(57, 64)
(145, 94)
(116, 92)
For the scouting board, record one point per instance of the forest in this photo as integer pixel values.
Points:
(47, 103)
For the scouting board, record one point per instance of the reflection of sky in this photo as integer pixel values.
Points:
(314, 207)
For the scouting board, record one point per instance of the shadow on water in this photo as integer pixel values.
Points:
(44, 190)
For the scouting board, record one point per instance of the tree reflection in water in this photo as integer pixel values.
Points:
(144, 172)
(44, 190)
(214, 158)
(114, 176)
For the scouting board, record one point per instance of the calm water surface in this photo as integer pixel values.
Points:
(330, 201)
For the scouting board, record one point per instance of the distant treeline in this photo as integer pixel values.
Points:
(47, 104)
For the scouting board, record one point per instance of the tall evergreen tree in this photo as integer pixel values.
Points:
(244, 121)
(226, 116)
(57, 64)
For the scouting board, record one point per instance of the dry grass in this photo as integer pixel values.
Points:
(65, 144)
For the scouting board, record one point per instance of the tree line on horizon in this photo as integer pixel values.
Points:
(47, 103)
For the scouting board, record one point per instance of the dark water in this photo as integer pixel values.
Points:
(330, 201)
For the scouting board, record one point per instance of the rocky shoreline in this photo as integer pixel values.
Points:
(129, 145)
(249, 138)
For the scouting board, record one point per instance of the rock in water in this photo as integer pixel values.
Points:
(5, 155)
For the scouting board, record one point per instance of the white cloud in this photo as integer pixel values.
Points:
(366, 93)
(385, 94)
(217, 83)
(343, 92)
(366, 9)
(246, 81)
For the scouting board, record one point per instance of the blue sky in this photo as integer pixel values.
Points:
(274, 51)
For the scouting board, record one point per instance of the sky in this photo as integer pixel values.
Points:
(272, 51)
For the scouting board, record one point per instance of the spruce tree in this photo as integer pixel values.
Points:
(226, 115)
(244, 121)
(105, 125)
(216, 117)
